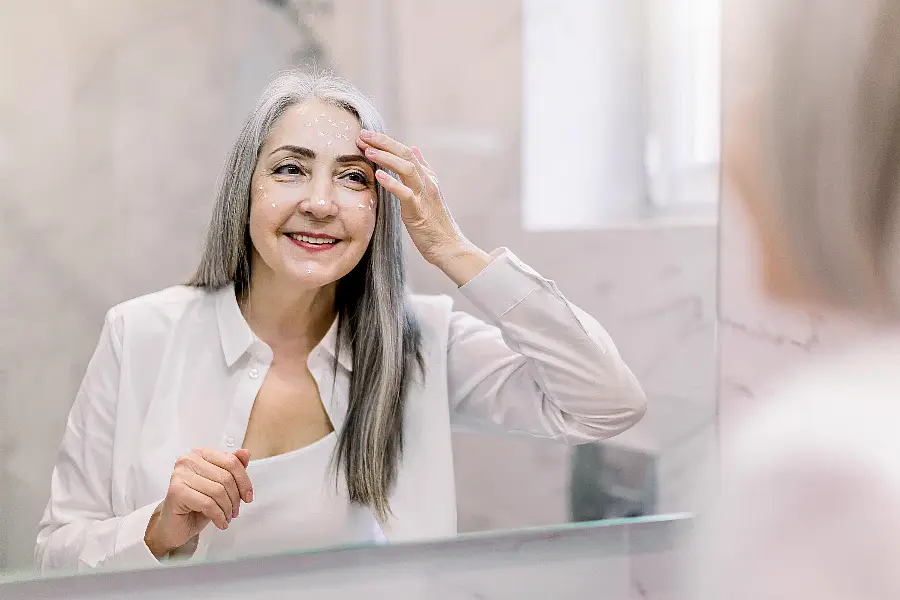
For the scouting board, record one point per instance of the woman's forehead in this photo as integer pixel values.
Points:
(316, 125)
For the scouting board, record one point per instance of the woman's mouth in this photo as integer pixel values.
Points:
(312, 242)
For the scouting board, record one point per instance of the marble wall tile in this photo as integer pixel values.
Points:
(657, 553)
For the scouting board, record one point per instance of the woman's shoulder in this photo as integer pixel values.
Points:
(839, 409)
(156, 316)
(432, 305)
(433, 313)
(170, 301)
(821, 454)
(432, 310)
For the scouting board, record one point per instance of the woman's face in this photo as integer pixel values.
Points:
(312, 197)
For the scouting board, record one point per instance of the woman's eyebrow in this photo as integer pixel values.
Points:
(351, 158)
(299, 150)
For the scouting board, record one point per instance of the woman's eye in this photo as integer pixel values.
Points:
(357, 177)
(288, 169)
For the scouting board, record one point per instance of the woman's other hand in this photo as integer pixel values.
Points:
(206, 486)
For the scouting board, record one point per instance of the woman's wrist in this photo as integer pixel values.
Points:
(152, 538)
(461, 262)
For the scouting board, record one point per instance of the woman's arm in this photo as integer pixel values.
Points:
(545, 367)
(542, 366)
(79, 529)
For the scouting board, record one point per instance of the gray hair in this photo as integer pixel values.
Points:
(375, 318)
(831, 142)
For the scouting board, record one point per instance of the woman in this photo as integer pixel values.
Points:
(811, 486)
(303, 397)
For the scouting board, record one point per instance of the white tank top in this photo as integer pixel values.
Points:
(296, 506)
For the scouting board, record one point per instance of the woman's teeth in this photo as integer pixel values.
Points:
(311, 240)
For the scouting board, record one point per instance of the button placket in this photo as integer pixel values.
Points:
(246, 394)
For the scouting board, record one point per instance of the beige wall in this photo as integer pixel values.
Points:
(114, 120)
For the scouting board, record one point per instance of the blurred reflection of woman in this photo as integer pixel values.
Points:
(296, 344)
(811, 485)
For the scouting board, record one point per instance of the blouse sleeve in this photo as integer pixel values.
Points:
(79, 529)
(540, 365)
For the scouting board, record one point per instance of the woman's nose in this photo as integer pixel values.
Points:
(319, 203)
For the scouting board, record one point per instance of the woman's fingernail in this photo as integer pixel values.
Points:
(370, 151)
(250, 496)
(365, 133)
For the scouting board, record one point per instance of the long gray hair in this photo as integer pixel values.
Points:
(375, 318)
(830, 76)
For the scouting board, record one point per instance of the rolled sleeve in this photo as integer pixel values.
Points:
(131, 551)
(501, 285)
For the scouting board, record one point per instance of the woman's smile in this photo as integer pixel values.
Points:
(312, 242)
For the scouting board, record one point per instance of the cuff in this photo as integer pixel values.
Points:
(131, 550)
(502, 284)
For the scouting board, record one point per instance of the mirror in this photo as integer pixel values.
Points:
(592, 158)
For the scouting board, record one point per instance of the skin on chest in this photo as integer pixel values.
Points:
(288, 412)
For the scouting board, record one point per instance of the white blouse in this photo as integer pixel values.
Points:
(297, 506)
(181, 368)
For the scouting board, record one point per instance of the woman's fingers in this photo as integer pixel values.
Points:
(235, 467)
(392, 162)
(203, 504)
(394, 186)
(421, 158)
(386, 143)
(213, 489)
(220, 477)
(394, 156)
(243, 455)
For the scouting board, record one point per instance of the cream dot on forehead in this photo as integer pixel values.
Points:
(324, 128)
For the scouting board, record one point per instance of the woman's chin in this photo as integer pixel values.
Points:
(309, 274)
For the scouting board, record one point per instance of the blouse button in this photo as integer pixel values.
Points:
(230, 442)
(254, 373)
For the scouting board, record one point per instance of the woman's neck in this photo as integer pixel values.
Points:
(288, 318)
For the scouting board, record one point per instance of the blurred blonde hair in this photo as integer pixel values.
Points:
(830, 133)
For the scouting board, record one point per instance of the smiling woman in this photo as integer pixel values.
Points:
(303, 396)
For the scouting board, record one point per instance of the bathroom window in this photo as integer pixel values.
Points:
(620, 111)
